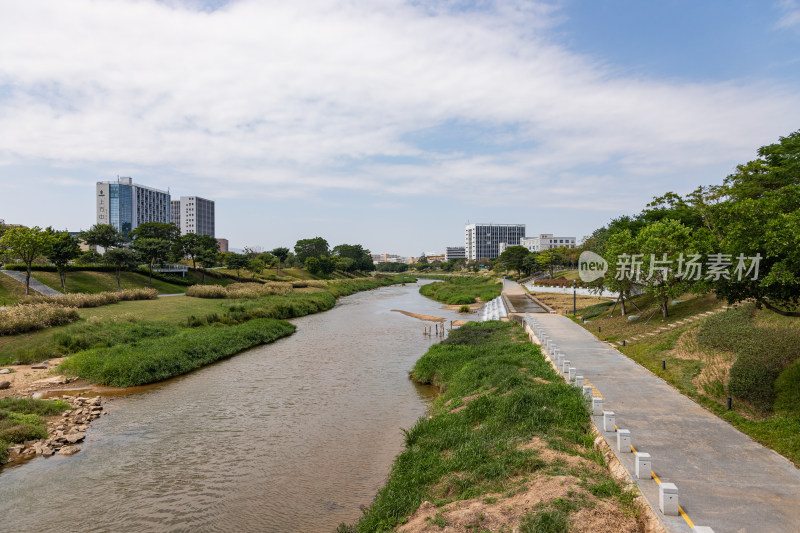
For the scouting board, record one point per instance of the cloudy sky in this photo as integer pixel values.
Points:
(386, 122)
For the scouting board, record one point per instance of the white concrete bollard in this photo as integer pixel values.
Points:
(597, 406)
(668, 499)
(644, 466)
(623, 440)
(587, 392)
(579, 381)
(571, 374)
(702, 529)
(609, 421)
(560, 361)
(565, 366)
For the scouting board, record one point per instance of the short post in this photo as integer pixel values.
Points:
(587, 392)
(597, 406)
(663, 364)
(623, 440)
(579, 381)
(702, 529)
(623, 342)
(560, 360)
(729, 403)
(609, 421)
(644, 466)
(668, 499)
(571, 374)
(565, 366)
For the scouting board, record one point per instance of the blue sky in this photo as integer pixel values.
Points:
(388, 123)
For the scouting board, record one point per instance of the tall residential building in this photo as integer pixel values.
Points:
(193, 214)
(482, 240)
(454, 252)
(546, 241)
(125, 205)
(223, 245)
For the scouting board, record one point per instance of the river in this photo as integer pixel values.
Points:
(288, 437)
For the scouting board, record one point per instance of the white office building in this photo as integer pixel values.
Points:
(483, 240)
(547, 241)
(454, 252)
(193, 214)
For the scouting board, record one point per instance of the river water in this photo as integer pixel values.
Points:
(288, 437)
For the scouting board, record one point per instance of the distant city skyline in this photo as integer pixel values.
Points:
(389, 124)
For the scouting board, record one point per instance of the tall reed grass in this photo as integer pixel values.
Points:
(31, 317)
(82, 300)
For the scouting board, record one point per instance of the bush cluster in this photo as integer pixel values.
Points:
(21, 420)
(31, 317)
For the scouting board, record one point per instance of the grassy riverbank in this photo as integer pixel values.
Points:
(22, 419)
(460, 290)
(751, 355)
(115, 344)
(508, 444)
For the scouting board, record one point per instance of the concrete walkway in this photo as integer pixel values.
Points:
(725, 480)
(36, 285)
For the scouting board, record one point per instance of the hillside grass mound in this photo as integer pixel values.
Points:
(505, 427)
(463, 290)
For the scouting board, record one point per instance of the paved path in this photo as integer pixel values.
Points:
(36, 285)
(725, 480)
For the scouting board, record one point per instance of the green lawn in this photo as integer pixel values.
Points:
(94, 282)
(458, 290)
(11, 290)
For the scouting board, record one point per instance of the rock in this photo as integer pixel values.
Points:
(47, 451)
(39, 367)
(69, 450)
(17, 448)
(36, 395)
(5, 371)
(16, 363)
(74, 437)
(5, 384)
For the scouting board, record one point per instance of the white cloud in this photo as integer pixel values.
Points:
(301, 97)
(791, 14)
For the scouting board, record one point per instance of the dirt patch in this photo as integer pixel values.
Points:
(494, 512)
(466, 399)
(26, 380)
(472, 307)
(562, 303)
(716, 363)
(426, 318)
(549, 455)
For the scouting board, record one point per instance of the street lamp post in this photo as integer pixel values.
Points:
(574, 296)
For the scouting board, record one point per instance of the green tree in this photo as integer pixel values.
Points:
(305, 248)
(207, 258)
(362, 258)
(63, 249)
(152, 251)
(327, 264)
(236, 262)
(192, 245)
(104, 235)
(514, 257)
(157, 230)
(26, 244)
(255, 266)
(89, 257)
(313, 266)
(121, 259)
(282, 254)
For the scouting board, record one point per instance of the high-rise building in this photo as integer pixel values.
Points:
(193, 214)
(223, 245)
(482, 240)
(125, 205)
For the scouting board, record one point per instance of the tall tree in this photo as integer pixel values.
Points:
(305, 248)
(282, 254)
(514, 257)
(121, 259)
(152, 251)
(207, 258)
(26, 244)
(157, 230)
(192, 245)
(236, 262)
(362, 258)
(104, 235)
(63, 249)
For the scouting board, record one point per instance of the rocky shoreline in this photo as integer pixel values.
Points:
(65, 431)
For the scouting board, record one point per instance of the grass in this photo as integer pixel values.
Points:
(94, 282)
(562, 303)
(748, 354)
(157, 359)
(22, 419)
(11, 290)
(462, 290)
(468, 449)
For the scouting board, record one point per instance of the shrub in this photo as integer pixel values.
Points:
(207, 291)
(31, 317)
(787, 390)
(464, 309)
(21, 420)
